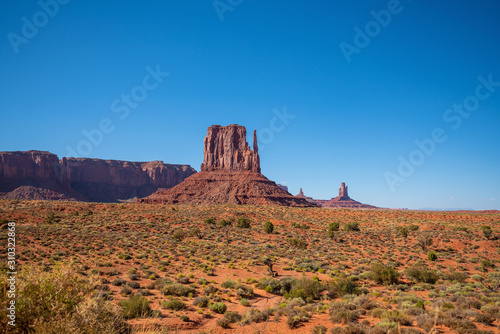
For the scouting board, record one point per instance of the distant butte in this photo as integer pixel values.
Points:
(341, 201)
(230, 174)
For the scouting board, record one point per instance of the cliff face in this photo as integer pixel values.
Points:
(230, 173)
(226, 148)
(84, 179)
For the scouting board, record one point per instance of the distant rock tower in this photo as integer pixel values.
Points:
(343, 191)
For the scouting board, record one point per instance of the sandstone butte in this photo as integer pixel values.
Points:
(41, 175)
(230, 174)
(341, 201)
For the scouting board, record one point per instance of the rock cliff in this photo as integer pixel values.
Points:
(226, 148)
(41, 175)
(230, 173)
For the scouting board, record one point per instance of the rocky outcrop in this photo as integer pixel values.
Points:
(230, 174)
(39, 175)
(226, 148)
(341, 201)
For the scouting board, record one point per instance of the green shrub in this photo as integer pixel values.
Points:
(487, 231)
(341, 287)
(422, 274)
(176, 289)
(353, 226)
(343, 313)
(184, 318)
(179, 235)
(243, 222)
(268, 227)
(431, 256)
(298, 243)
(244, 302)
(332, 228)
(210, 221)
(228, 284)
(383, 274)
(200, 301)
(174, 304)
(279, 287)
(53, 301)
(135, 307)
(305, 288)
(218, 307)
(225, 223)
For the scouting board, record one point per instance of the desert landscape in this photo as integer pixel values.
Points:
(250, 167)
(227, 250)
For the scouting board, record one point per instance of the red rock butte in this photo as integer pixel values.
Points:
(230, 174)
(341, 201)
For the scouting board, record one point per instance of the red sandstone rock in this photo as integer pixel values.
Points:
(341, 201)
(226, 148)
(230, 173)
(83, 179)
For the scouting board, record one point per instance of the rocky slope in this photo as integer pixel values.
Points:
(41, 175)
(230, 173)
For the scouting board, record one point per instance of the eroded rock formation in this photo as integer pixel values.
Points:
(230, 173)
(226, 148)
(341, 201)
(41, 175)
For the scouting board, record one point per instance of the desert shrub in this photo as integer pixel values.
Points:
(332, 228)
(484, 319)
(268, 227)
(487, 231)
(179, 234)
(225, 223)
(279, 287)
(455, 276)
(383, 274)
(305, 288)
(403, 231)
(319, 330)
(118, 282)
(200, 301)
(341, 287)
(397, 317)
(343, 313)
(295, 316)
(353, 226)
(298, 243)
(232, 317)
(184, 318)
(135, 307)
(422, 274)
(254, 315)
(413, 227)
(218, 307)
(494, 279)
(244, 302)
(176, 289)
(431, 256)
(57, 300)
(228, 284)
(173, 304)
(243, 290)
(210, 221)
(243, 222)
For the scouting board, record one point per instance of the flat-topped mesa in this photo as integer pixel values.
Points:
(226, 148)
(343, 191)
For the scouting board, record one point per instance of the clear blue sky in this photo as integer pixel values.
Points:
(240, 61)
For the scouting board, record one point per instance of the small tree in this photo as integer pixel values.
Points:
(424, 241)
(268, 227)
(269, 263)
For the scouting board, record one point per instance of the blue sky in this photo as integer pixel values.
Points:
(350, 119)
